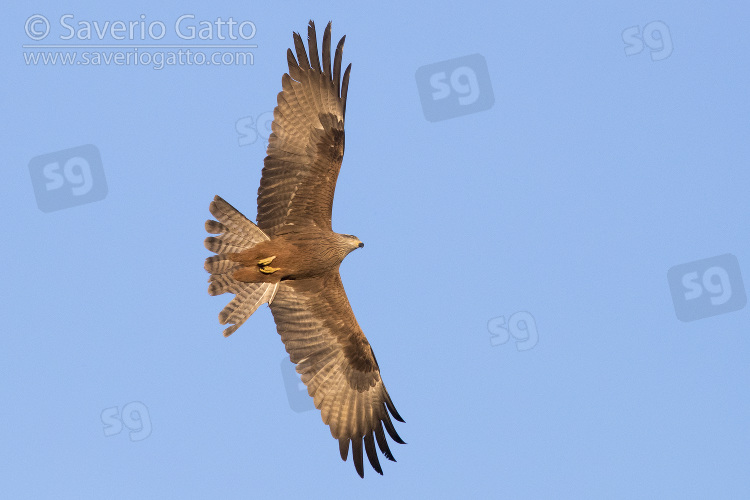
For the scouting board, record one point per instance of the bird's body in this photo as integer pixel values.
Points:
(290, 259)
(295, 255)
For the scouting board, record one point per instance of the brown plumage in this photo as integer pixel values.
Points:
(291, 259)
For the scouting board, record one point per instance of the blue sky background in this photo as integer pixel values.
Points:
(514, 283)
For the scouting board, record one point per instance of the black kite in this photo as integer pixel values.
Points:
(291, 259)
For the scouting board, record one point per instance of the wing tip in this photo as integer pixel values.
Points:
(344, 448)
(357, 458)
(372, 453)
(392, 407)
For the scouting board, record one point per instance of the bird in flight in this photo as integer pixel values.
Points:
(291, 258)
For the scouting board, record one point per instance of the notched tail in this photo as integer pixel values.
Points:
(235, 233)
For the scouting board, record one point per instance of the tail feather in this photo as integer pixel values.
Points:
(233, 220)
(223, 283)
(218, 264)
(235, 233)
(245, 303)
(215, 227)
(237, 239)
(222, 245)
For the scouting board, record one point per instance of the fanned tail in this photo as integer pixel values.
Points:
(235, 234)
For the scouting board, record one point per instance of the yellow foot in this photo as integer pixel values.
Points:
(269, 270)
(266, 261)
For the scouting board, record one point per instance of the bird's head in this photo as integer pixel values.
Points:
(352, 242)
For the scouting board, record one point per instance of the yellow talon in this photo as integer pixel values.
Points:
(266, 261)
(269, 270)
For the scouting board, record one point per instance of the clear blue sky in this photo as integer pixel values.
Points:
(554, 201)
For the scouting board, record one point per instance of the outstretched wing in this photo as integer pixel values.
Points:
(307, 144)
(323, 338)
